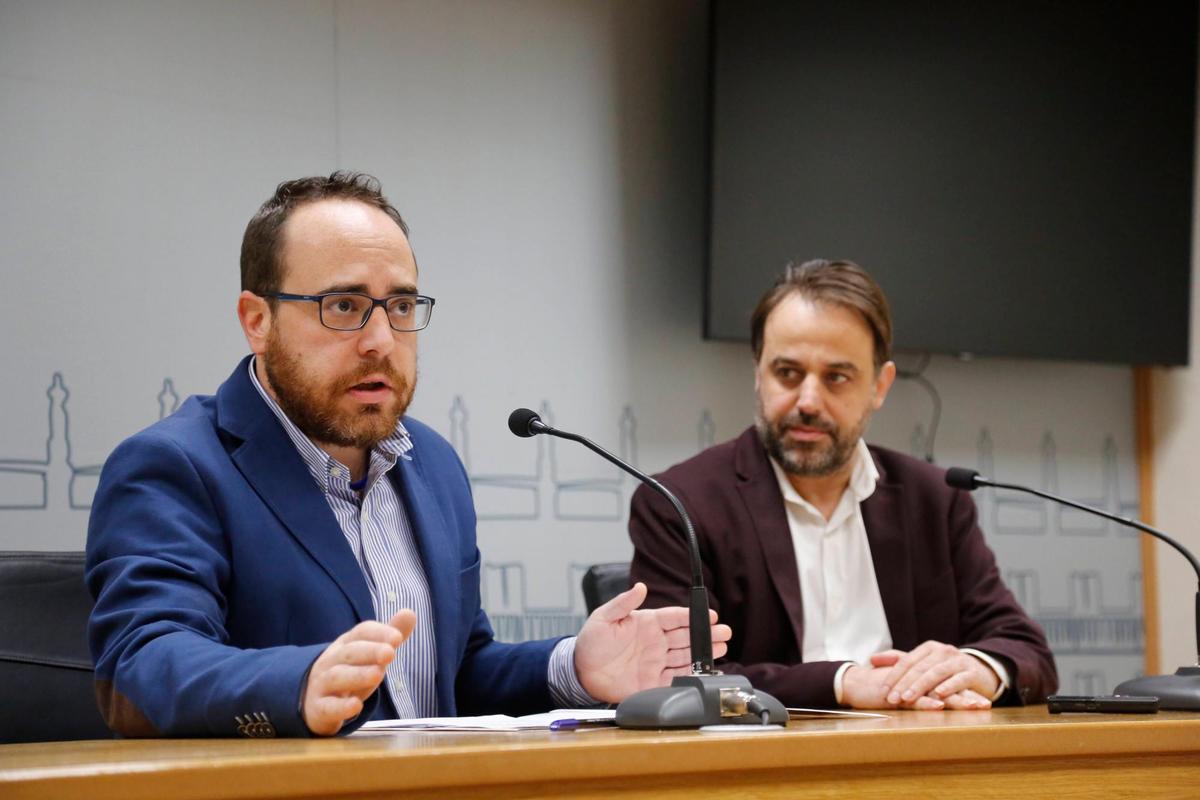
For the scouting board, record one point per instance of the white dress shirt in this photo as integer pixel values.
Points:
(843, 610)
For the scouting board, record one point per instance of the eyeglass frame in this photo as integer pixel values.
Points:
(376, 302)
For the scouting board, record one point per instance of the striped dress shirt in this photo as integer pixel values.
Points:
(377, 529)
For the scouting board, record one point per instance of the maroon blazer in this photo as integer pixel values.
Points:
(937, 577)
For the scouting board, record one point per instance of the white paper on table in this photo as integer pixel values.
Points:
(494, 722)
(740, 730)
(794, 714)
(816, 713)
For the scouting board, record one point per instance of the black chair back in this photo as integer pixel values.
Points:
(603, 582)
(46, 686)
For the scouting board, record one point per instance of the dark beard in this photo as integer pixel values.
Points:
(808, 459)
(314, 410)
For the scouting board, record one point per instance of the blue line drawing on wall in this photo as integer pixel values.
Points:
(168, 400)
(520, 495)
(57, 481)
(50, 482)
(1089, 682)
(600, 499)
(504, 591)
(1011, 513)
(510, 496)
(1086, 625)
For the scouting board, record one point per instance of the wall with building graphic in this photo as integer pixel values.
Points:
(550, 159)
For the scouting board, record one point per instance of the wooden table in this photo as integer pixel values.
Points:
(1005, 752)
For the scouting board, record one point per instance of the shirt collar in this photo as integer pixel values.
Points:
(863, 478)
(322, 466)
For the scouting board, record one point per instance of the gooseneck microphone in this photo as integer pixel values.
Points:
(706, 697)
(526, 423)
(1180, 691)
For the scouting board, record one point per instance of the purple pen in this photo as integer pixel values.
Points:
(572, 724)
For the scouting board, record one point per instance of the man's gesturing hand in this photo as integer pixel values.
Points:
(621, 650)
(346, 673)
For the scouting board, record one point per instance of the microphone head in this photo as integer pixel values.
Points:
(521, 421)
(962, 478)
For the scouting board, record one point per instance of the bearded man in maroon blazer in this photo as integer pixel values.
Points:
(851, 574)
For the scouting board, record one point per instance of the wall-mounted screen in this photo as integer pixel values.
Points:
(1017, 175)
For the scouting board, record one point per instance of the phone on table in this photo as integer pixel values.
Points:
(1102, 704)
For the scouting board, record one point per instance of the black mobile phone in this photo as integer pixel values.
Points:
(1102, 704)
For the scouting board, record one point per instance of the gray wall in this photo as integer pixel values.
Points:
(550, 158)
(1175, 464)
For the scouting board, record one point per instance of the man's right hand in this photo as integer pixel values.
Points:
(345, 674)
(864, 687)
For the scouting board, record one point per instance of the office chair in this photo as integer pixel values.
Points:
(46, 691)
(603, 582)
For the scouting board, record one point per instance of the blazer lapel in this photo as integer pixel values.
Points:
(441, 560)
(765, 509)
(885, 521)
(268, 460)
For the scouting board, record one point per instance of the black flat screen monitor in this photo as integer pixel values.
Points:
(1017, 175)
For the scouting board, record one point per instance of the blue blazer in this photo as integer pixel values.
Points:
(220, 574)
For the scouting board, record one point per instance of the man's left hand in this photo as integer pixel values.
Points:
(935, 669)
(622, 650)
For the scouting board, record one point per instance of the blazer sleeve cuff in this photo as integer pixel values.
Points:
(996, 667)
(839, 678)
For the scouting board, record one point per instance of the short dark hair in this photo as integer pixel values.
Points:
(840, 283)
(262, 268)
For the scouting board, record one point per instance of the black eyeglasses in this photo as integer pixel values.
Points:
(349, 311)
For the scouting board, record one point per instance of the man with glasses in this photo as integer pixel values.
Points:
(293, 555)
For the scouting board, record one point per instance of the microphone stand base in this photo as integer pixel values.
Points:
(692, 701)
(1178, 692)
